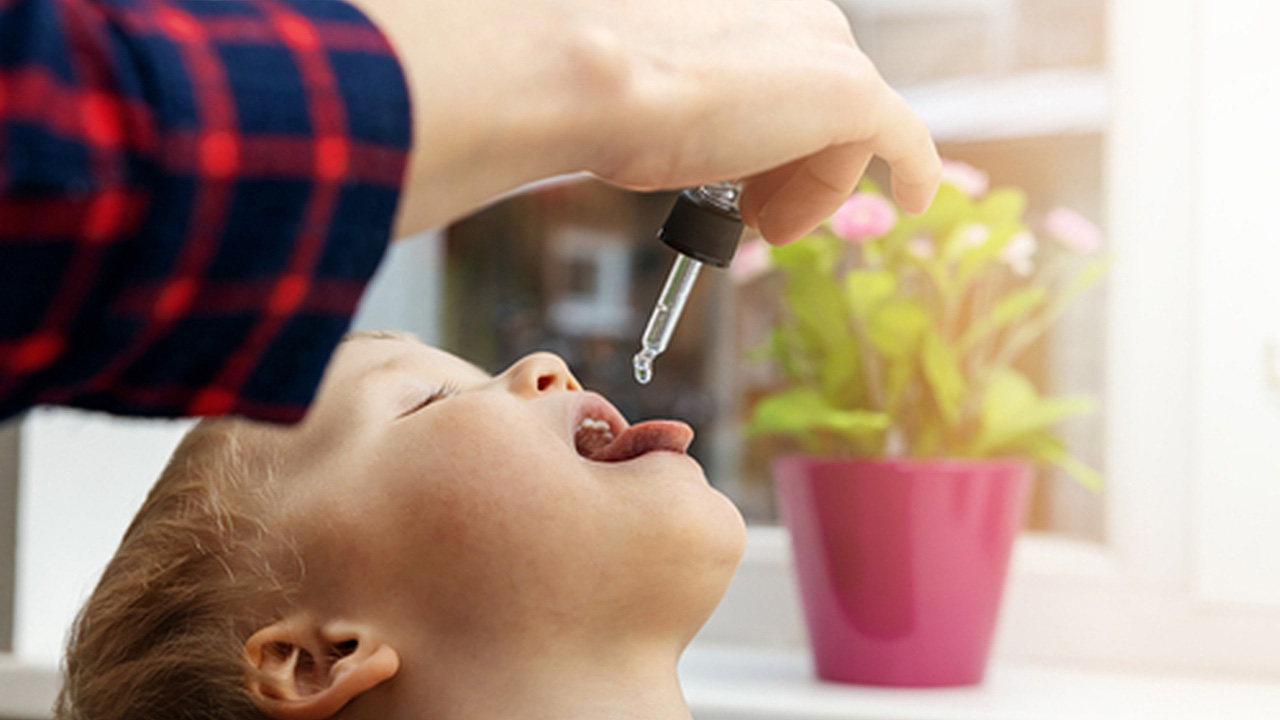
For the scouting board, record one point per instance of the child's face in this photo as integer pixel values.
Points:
(479, 512)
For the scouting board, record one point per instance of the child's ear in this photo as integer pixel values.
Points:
(306, 671)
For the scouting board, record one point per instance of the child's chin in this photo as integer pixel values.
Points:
(724, 531)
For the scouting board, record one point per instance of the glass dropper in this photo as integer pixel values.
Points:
(666, 313)
(703, 228)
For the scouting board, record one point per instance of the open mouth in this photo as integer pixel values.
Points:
(602, 435)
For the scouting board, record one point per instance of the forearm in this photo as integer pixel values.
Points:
(503, 93)
(648, 95)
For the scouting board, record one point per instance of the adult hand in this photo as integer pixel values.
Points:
(649, 94)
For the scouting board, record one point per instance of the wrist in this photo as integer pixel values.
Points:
(501, 95)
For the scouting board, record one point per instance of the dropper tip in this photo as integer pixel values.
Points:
(642, 364)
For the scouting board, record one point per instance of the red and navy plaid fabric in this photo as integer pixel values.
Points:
(193, 195)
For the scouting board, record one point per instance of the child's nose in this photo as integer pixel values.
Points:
(538, 373)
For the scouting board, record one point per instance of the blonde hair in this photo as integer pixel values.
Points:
(197, 572)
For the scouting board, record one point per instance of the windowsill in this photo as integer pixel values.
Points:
(26, 690)
(726, 683)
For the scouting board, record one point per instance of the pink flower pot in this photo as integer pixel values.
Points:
(901, 563)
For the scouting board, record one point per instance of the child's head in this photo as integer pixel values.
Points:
(429, 538)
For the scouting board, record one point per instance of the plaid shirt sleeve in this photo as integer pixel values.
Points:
(193, 195)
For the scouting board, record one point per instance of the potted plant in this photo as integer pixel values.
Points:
(898, 340)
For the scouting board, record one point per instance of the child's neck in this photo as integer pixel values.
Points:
(639, 693)
(634, 683)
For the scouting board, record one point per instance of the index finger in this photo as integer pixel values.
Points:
(813, 190)
(902, 139)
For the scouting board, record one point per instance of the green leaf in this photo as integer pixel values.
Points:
(950, 206)
(840, 374)
(1014, 307)
(815, 254)
(867, 185)
(1012, 410)
(1018, 304)
(898, 375)
(942, 371)
(895, 328)
(1045, 449)
(818, 309)
(867, 289)
(1002, 206)
(803, 411)
(822, 324)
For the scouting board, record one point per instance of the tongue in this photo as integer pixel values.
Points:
(640, 439)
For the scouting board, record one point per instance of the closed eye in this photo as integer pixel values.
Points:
(444, 391)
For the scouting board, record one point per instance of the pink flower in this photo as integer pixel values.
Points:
(753, 260)
(1076, 232)
(1019, 252)
(968, 179)
(864, 216)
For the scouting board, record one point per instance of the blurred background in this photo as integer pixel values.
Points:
(1154, 119)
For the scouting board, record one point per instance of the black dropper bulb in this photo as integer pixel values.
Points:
(704, 227)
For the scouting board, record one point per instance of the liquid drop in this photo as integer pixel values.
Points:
(642, 363)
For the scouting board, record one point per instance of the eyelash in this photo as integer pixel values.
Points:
(444, 391)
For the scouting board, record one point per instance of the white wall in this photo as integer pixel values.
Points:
(83, 475)
(407, 292)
